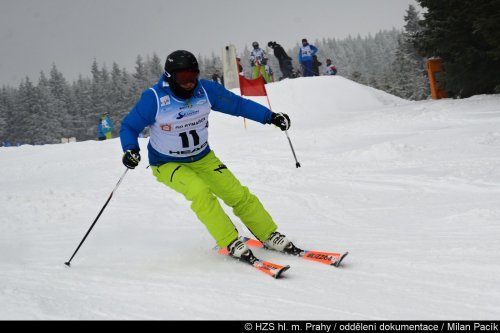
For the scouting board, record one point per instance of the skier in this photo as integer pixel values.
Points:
(284, 60)
(176, 109)
(257, 55)
(306, 53)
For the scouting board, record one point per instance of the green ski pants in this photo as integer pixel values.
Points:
(261, 70)
(204, 181)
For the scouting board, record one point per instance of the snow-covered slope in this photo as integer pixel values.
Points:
(410, 189)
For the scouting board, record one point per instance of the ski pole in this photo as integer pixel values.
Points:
(297, 164)
(68, 263)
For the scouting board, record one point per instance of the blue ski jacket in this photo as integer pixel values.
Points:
(179, 128)
(104, 126)
(306, 53)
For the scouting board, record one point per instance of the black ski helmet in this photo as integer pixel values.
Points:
(255, 45)
(181, 60)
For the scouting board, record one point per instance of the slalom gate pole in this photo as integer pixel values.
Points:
(297, 164)
(68, 263)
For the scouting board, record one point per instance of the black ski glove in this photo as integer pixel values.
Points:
(281, 120)
(131, 158)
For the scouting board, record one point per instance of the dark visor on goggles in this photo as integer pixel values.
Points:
(183, 77)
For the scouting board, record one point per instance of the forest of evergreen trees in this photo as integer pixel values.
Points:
(466, 35)
(394, 61)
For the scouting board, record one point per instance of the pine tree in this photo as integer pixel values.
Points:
(23, 121)
(141, 75)
(3, 115)
(44, 124)
(154, 69)
(131, 95)
(59, 115)
(408, 77)
(7, 102)
(84, 125)
(98, 96)
(119, 101)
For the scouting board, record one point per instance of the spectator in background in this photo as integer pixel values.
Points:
(256, 57)
(217, 77)
(284, 60)
(329, 68)
(315, 65)
(240, 68)
(268, 70)
(105, 128)
(306, 53)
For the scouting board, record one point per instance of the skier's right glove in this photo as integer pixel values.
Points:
(131, 158)
(281, 120)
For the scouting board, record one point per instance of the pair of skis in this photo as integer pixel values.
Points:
(275, 270)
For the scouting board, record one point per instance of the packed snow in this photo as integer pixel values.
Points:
(410, 189)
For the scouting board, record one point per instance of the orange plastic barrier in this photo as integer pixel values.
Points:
(435, 73)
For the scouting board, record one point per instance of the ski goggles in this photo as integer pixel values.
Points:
(183, 77)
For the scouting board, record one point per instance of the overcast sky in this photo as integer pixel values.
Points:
(34, 34)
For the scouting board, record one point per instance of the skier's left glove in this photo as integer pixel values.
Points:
(281, 120)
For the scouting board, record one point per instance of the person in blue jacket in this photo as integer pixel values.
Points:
(306, 53)
(105, 128)
(177, 109)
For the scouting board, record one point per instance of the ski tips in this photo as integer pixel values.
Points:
(337, 263)
(281, 271)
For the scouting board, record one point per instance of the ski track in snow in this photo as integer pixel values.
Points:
(410, 189)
